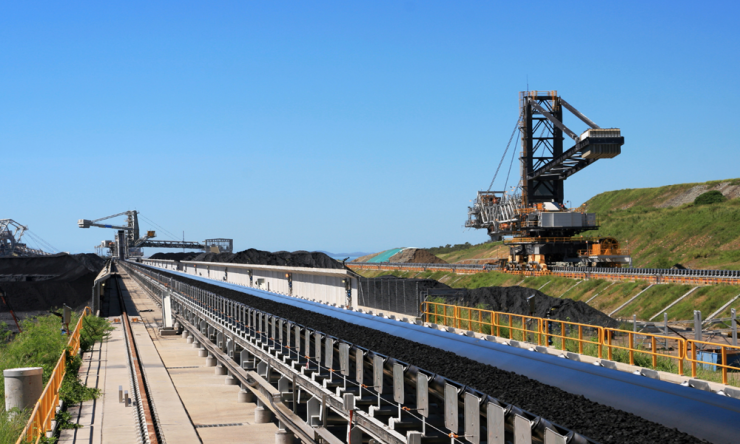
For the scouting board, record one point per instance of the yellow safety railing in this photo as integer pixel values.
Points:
(588, 339)
(655, 339)
(579, 330)
(45, 409)
(692, 347)
(513, 326)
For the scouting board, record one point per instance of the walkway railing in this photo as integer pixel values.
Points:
(721, 351)
(663, 350)
(45, 409)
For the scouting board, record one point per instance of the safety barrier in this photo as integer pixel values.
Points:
(655, 339)
(693, 346)
(45, 409)
(543, 330)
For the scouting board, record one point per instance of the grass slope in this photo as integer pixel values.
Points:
(703, 236)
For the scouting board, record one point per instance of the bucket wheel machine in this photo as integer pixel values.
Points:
(532, 219)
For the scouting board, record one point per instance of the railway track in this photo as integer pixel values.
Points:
(652, 275)
(146, 417)
(614, 411)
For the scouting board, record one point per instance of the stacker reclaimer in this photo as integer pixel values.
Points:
(532, 219)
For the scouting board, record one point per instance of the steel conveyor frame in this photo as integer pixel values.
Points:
(235, 328)
(702, 414)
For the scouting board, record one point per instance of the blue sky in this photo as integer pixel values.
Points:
(340, 126)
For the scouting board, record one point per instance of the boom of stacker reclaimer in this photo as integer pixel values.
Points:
(132, 243)
(540, 231)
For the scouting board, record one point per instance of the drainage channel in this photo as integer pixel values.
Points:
(146, 417)
(325, 389)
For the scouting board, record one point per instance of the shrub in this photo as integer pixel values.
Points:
(710, 197)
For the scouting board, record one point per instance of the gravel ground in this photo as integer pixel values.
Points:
(599, 422)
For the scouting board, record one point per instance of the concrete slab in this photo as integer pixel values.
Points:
(211, 406)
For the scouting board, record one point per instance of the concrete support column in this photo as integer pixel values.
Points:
(185, 334)
(220, 370)
(261, 414)
(283, 436)
(230, 380)
(23, 387)
(245, 396)
(210, 361)
(202, 353)
(190, 339)
(196, 344)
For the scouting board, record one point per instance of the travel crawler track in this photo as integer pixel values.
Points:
(484, 366)
(147, 417)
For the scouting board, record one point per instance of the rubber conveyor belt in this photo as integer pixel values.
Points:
(699, 413)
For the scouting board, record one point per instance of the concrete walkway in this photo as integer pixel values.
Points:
(104, 420)
(211, 406)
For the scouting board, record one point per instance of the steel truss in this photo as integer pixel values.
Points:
(314, 383)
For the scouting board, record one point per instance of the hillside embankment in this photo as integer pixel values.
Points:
(600, 294)
(662, 226)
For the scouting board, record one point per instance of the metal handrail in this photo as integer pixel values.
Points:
(631, 348)
(45, 409)
(692, 344)
(495, 322)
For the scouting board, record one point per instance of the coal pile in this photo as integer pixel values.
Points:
(280, 258)
(415, 256)
(50, 281)
(596, 421)
(175, 256)
(514, 300)
(403, 295)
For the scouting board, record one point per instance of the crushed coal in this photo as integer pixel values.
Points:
(514, 300)
(307, 259)
(415, 256)
(54, 280)
(403, 295)
(596, 421)
(188, 256)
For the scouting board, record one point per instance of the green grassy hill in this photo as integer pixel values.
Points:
(662, 226)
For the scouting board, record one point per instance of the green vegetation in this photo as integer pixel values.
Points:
(40, 345)
(694, 234)
(450, 248)
(710, 197)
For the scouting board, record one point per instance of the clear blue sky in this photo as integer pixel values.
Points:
(340, 126)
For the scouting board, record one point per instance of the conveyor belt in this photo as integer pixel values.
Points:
(702, 414)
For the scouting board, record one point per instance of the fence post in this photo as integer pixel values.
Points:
(665, 323)
(631, 347)
(734, 327)
(697, 325)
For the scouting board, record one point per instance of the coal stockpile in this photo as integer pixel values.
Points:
(403, 295)
(175, 256)
(394, 294)
(415, 256)
(281, 258)
(50, 280)
(601, 423)
(514, 300)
